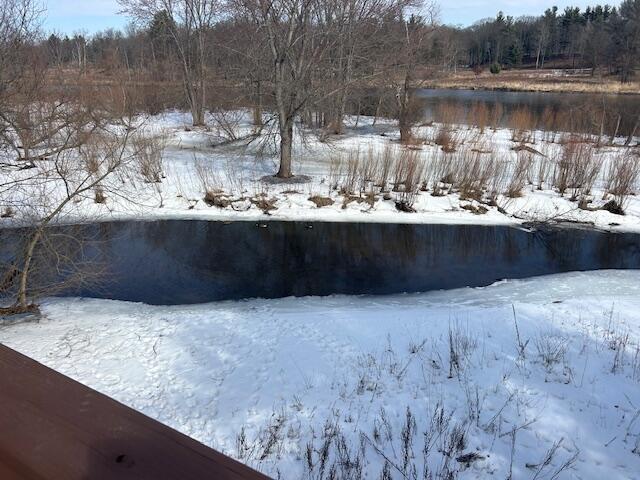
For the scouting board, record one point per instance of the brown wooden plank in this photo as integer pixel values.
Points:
(52, 427)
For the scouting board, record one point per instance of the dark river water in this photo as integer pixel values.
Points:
(180, 262)
(580, 110)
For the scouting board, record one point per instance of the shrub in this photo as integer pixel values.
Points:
(476, 170)
(445, 139)
(207, 175)
(497, 112)
(368, 169)
(385, 161)
(577, 169)
(98, 195)
(544, 167)
(585, 172)
(408, 176)
(409, 169)
(216, 198)
(444, 170)
(621, 178)
(479, 115)
(150, 155)
(552, 349)
(227, 123)
(350, 180)
(519, 175)
(335, 172)
(495, 68)
(321, 201)
(522, 122)
(7, 212)
(499, 179)
(450, 113)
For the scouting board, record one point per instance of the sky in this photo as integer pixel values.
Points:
(90, 16)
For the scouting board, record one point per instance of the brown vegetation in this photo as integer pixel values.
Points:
(519, 175)
(320, 201)
(622, 178)
(577, 169)
(535, 81)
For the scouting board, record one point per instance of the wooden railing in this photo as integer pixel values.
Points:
(52, 427)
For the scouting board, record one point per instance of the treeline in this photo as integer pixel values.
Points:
(314, 61)
(602, 38)
(290, 61)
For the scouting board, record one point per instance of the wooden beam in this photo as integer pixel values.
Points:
(52, 427)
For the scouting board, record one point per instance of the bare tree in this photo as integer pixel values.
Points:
(57, 186)
(47, 167)
(543, 34)
(408, 55)
(298, 41)
(355, 25)
(19, 22)
(36, 124)
(189, 25)
(314, 46)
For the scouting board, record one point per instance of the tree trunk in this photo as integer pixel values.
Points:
(378, 110)
(405, 132)
(197, 113)
(195, 95)
(21, 300)
(404, 99)
(404, 122)
(257, 116)
(26, 153)
(615, 132)
(602, 120)
(195, 100)
(286, 144)
(633, 132)
(200, 99)
(201, 88)
(201, 103)
(337, 126)
(257, 106)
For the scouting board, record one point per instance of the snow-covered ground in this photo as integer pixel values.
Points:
(539, 378)
(192, 165)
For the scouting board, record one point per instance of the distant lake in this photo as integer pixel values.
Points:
(585, 108)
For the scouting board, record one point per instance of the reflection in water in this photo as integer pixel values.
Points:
(578, 110)
(177, 262)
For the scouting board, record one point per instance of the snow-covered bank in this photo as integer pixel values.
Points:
(193, 166)
(365, 381)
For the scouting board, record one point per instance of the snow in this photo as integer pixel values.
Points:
(266, 381)
(238, 171)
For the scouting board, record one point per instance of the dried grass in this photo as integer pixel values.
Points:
(577, 169)
(150, 156)
(522, 123)
(519, 175)
(622, 177)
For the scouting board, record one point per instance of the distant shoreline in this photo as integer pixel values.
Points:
(535, 81)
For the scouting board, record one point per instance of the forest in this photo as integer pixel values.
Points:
(600, 37)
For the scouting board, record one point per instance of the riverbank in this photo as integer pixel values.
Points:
(536, 375)
(552, 80)
(461, 175)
